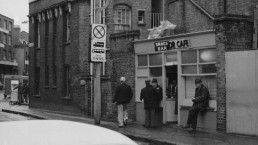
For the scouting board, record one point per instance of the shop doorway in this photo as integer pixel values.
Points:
(171, 93)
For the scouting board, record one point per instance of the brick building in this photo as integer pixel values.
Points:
(8, 65)
(59, 52)
(20, 43)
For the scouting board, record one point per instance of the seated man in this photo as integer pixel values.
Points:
(200, 101)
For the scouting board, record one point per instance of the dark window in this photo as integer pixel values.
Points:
(142, 60)
(5, 24)
(10, 55)
(37, 81)
(9, 40)
(67, 80)
(47, 75)
(54, 50)
(141, 17)
(66, 25)
(46, 52)
(10, 26)
(5, 38)
(4, 55)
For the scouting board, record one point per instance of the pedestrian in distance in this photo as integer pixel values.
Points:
(122, 98)
(200, 102)
(20, 92)
(25, 93)
(150, 104)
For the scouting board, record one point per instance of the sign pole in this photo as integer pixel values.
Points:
(97, 93)
(97, 82)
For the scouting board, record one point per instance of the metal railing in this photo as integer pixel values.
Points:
(155, 19)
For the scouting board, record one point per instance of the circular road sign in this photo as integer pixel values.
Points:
(99, 31)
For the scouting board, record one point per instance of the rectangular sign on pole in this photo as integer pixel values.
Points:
(98, 43)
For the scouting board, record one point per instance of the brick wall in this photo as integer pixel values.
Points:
(241, 7)
(232, 34)
(188, 17)
(122, 63)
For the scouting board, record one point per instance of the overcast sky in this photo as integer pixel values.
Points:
(16, 10)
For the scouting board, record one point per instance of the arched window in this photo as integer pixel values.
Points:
(122, 18)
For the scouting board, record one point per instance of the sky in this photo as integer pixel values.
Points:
(16, 10)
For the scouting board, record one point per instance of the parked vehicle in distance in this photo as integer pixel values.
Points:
(57, 132)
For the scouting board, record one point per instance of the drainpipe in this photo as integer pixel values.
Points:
(225, 7)
(163, 10)
(91, 64)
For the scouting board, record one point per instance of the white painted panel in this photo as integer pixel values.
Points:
(203, 40)
(140, 83)
(240, 88)
(256, 92)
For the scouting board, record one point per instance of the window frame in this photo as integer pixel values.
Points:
(4, 55)
(10, 26)
(9, 40)
(122, 8)
(10, 55)
(198, 64)
(142, 17)
(4, 38)
(148, 66)
(5, 24)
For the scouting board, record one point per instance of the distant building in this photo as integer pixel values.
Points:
(20, 43)
(8, 63)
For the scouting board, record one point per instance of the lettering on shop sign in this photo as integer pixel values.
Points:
(169, 45)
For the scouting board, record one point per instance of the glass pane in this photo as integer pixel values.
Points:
(142, 60)
(123, 16)
(207, 68)
(143, 72)
(208, 55)
(171, 57)
(192, 69)
(189, 56)
(156, 71)
(155, 59)
(189, 87)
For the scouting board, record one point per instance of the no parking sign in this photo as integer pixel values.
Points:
(98, 43)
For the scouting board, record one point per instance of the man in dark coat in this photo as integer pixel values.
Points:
(200, 102)
(158, 90)
(123, 96)
(150, 104)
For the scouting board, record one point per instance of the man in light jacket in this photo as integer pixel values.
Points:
(122, 98)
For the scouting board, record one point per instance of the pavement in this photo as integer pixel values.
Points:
(169, 134)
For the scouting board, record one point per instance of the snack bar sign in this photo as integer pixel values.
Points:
(98, 43)
(169, 45)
